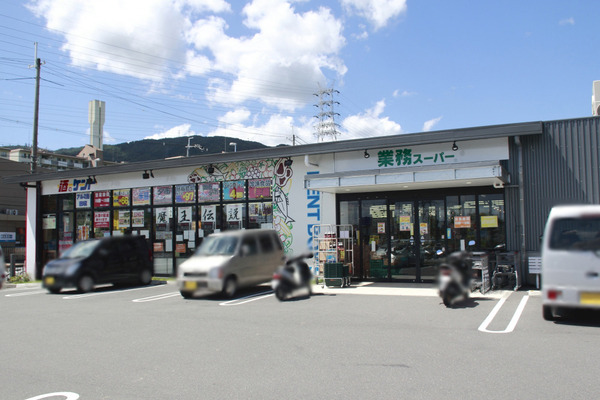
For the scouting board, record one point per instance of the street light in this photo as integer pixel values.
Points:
(234, 144)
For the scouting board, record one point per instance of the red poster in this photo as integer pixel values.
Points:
(102, 219)
(102, 199)
(462, 222)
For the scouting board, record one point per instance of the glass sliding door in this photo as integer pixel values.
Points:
(432, 223)
(374, 240)
(403, 249)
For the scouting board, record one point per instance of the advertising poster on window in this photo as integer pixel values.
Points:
(234, 212)
(209, 192)
(83, 200)
(233, 190)
(163, 215)
(102, 219)
(49, 222)
(102, 199)
(121, 198)
(208, 213)
(405, 223)
(462, 222)
(123, 220)
(423, 228)
(163, 195)
(185, 193)
(141, 196)
(137, 219)
(259, 188)
(489, 221)
(184, 215)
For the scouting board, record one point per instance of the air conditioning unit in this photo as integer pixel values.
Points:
(596, 98)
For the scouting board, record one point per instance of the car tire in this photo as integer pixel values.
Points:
(186, 295)
(85, 284)
(145, 277)
(548, 313)
(229, 287)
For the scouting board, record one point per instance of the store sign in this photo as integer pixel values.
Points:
(406, 157)
(462, 222)
(489, 221)
(101, 199)
(83, 200)
(74, 185)
(102, 219)
(8, 237)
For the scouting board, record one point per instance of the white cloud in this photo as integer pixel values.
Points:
(377, 12)
(178, 131)
(404, 93)
(369, 124)
(567, 21)
(428, 125)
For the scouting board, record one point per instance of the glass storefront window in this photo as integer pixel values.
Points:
(462, 222)
(49, 234)
(66, 202)
(234, 190)
(163, 240)
(492, 217)
(65, 231)
(140, 221)
(121, 198)
(260, 215)
(140, 196)
(209, 192)
(185, 233)
(163, 195)
(185, 193)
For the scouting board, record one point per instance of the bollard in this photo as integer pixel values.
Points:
(13, 258)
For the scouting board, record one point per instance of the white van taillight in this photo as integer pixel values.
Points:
(554, 294)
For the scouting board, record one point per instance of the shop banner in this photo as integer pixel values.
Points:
(163, 195)
(102, 219)
(462, 222)
(259, 188)
(83, 200)
(121, 198)
(489, 221)
(208, 213)
(209, 192)
(233, 190)
(137, 219)
(234, 212)
(141, 196)
(185, 193)
(102, 199)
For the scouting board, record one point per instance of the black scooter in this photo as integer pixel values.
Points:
(455, 276)
(294, 275)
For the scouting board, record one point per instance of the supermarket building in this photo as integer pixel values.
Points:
(392, 201)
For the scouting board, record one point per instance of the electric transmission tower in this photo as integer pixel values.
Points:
(326, 127)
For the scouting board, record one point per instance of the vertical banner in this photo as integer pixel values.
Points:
(234, 212)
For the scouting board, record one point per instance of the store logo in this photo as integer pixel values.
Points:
(77, 185)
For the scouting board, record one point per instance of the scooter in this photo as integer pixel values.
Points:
(293, 275)
(455, 275)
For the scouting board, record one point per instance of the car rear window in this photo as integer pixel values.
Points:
(576, 234)
(266, 243)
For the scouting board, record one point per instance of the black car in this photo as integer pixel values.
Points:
(117, 260)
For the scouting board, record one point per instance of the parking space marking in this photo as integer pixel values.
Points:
(514, 320)
(26, 293)
(157, 297)
(80, 296)
(250, 298)
(66, 395)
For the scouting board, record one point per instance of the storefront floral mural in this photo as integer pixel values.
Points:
(275, 169)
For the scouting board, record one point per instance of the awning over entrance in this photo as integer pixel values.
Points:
(410, 178)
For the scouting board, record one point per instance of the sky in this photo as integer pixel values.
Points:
(254, 69)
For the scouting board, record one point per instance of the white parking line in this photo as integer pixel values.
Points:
(80, 296)
(157, 297)
(514, 320)
(250, 298)
(26, 293)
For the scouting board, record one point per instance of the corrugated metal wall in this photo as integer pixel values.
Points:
(561, 166)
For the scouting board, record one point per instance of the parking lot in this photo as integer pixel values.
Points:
(366, 341)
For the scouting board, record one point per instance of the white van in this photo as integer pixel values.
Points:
(230, 260)
(571, 259)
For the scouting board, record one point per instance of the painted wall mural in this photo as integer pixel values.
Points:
(276, 169)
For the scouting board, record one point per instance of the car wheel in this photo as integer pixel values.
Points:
(186, 295)
(230, 287)
(85, 284)
(548, 313)
(145, 277)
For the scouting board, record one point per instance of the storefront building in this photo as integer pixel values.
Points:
(402, 198)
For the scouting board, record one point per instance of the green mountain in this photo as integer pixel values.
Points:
(151, 149)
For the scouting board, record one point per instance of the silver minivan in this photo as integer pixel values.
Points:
(571, 259)
(227, 261)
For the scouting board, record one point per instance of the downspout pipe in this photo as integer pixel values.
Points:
(522, 236)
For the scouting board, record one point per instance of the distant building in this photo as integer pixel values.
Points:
(47, 159)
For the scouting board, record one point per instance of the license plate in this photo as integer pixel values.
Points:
(49, 280)
(190, 285)
(590, 298)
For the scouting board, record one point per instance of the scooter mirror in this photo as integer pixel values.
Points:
(471, 243)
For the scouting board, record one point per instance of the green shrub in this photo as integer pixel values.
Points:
(20, 279)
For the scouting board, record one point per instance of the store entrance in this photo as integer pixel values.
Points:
(400, 239)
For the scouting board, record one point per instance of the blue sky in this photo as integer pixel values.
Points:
(250, 69)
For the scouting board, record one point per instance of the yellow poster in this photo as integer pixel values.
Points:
(489, 221)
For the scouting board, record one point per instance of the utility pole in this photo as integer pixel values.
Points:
(326, 116)
(34, 150)
(196, 146)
